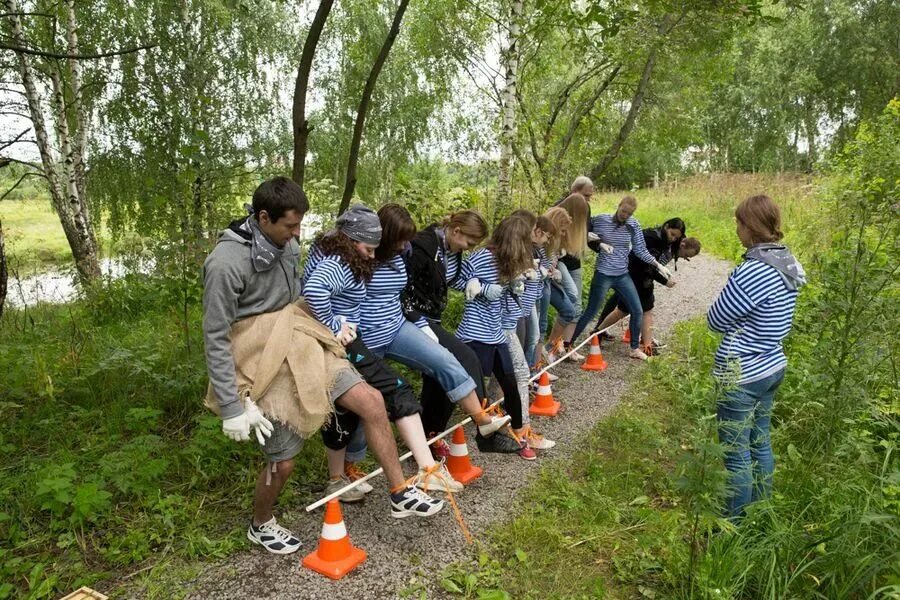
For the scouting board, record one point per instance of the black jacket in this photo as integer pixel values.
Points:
(426, 289)
(660, 248)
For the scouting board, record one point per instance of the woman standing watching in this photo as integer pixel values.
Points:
(754, 311)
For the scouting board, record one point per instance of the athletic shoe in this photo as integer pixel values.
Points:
(575, 356)
(438, 479)
(525, 451)
(440, 450)
(537, 441)
(351, 496)
(353, 473)
(414, 502)
(498, 442)
(273, 537)
(638, 354)
(494, 426)
(605, 336)
(657, 344)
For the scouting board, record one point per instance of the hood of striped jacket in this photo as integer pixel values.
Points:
(779, 257)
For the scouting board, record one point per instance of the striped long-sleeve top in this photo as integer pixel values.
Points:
(625, 238)
(482, 318)
(382, 314)
(533, 288)
(754, 311)
(332, 291)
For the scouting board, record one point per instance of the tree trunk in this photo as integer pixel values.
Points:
(508, 126)
(636, 102)
(353, 161)
(812, 132)
(298, 113)
(4, 275)
(65, 188)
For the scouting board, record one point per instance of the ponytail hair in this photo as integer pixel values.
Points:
(470, 224)
(762, 217)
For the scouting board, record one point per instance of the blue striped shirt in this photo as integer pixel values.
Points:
(511, 310)
(625, 238)
(481, 321)
(754, 311)
(382, 315)
(315, 256)
(533, 288)
(332, 291)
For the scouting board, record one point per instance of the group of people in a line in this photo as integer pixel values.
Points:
(293, 351)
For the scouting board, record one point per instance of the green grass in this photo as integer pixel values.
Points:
(707, 203)
(34, 237)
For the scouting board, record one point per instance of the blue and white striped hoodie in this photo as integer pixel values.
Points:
(755, 311)
(482, 318)
(625, 238)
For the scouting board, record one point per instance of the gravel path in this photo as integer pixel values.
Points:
(404, 552)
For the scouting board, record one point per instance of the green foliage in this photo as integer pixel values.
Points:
(637, 510)
(110, 462)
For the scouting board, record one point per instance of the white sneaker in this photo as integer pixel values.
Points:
(351, 496)
(575, 357)
(537, 441)
(638, 354)
(414, 502)
(353, 472)
(495, 425)
(273, 537)
(438, 479)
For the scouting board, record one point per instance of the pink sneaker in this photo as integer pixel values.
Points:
(526, 452)
(440, 449)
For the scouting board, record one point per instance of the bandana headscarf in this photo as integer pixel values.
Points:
(263, 252)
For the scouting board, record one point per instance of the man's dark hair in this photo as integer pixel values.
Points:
(277, 196)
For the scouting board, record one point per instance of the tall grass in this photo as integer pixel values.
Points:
(636, 513)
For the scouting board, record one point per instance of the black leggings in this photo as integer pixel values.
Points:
(436, 407)
(496, 360)
(399, 397)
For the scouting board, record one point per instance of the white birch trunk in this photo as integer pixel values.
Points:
(508, 123)
(66, 178)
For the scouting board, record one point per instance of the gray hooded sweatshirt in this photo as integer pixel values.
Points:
(234, 289)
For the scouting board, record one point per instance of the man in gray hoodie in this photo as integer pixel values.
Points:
(254, 269)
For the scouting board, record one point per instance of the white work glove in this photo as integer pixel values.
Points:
(556, 275)
(518, 286)
(238, 428)
(664, 271)
(347, 333)
(473, 288)
(492, 291)
(593, 237)
(532, 275)
(537, 263)
(545, 272)
(606, 248)
(430, 333)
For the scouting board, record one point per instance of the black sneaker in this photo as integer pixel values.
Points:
(499, 442)
(414, 502)
(273, 537)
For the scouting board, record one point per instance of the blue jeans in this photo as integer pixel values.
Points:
(570, 286)
(562, 302)
(411, 347)
(532, 336)
(543, 307)
(597, 297)
(744, 414)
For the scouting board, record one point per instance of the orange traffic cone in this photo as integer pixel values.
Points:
(335, 556)
(458, 463)
(594, 360)
(544, 405)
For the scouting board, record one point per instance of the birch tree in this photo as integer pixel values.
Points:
(508, 105)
